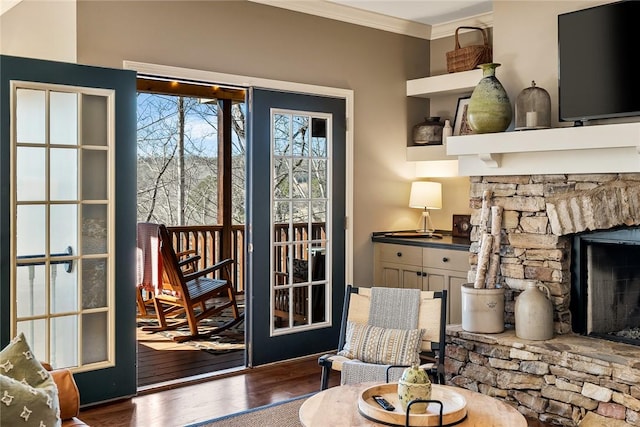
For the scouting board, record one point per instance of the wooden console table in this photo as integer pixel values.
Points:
(338, 406)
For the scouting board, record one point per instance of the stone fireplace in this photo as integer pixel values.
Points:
(579, 235)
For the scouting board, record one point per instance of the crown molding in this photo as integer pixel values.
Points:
(5, 5)
(446, 29)
(352, 15)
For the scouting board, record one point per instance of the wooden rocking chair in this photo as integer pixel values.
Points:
(187, 290)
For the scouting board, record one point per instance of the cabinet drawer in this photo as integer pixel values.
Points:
(399, 254)
(446, 259)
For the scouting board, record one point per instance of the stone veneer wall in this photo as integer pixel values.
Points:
(540, 213)
(556, 381)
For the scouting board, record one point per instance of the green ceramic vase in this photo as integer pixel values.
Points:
(489, 107)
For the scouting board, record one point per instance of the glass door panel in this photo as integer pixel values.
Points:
(299, 180)
(63, 222)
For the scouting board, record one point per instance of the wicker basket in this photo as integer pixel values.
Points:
(468, 58)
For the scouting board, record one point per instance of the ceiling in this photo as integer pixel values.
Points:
(427, 19)
(431, 12)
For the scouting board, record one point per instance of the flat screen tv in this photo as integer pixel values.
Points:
(598, 51)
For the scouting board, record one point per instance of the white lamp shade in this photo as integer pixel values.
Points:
(426, 195)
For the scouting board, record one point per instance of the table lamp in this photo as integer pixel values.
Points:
(426, 195)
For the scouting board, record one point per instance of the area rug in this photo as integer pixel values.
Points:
(279, 414)
(231, 339)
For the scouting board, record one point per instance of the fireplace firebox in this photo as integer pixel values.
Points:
(605, 289)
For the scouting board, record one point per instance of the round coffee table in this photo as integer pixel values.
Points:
(338, 406)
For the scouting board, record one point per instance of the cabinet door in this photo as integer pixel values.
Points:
(388, 275)
(451, 281)
(413, 277)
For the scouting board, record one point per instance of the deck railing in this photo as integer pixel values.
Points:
(207, 241)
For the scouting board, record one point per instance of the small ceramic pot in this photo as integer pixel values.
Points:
(414, 384)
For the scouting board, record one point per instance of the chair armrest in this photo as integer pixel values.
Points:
(189, 260)
(208, 270)
(68, 393)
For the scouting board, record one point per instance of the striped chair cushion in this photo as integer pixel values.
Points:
(372, 344)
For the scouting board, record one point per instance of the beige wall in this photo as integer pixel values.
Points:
(37, 29)
(250, 39)
(261, 41)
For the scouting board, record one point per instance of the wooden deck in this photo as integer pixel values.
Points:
(162, 360)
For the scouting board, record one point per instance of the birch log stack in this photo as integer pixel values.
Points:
(489, 255)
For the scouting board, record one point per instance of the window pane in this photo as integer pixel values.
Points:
(300, 305)
(281, 175)
(30, 230)
(300, 184)
(30, 290)
(94, 229)
(301, 213)
(300, 135)
(64, 226)
(30, 174)
(64, 341)
(281, 135)
(94, 337)
(319, 178)
(318, 303)
(94, 283)
(35, 332)
(94, 175)
(95, 118)
(63, 176)
(281, 308)
(64, 289)
(319, 211)
(319, 138)
(30, 116)
(63, 118)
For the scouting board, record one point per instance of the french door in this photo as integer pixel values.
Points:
(296, 231)
(67, 209)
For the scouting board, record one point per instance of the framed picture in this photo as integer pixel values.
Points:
(460, 123)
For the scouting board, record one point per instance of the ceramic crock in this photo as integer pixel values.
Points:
(414, 384)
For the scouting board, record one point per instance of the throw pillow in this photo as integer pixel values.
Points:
(28, 394)
(372, 344)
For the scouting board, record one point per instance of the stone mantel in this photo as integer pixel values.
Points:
(612, 148)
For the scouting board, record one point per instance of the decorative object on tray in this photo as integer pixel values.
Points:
(460, 121)
(469, 57)
(489, 107)
(461, 226)
(428, 132)
(533, 108)
(453, 405)
(483, 301)
(426, 195)
(534, 313)
(414, 384)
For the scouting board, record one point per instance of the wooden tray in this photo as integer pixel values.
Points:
(454, 407)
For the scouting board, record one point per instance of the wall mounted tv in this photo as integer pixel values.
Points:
(597, 49)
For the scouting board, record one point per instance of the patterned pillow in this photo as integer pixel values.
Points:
(28, 394)
(372, 344)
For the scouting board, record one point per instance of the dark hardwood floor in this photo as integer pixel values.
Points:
(227, 393)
